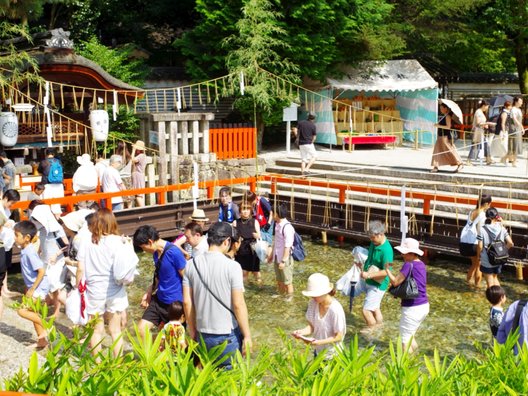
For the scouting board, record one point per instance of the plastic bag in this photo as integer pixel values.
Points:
(260, 247)
(360, 254)
(75, 308)
(125, 262)
(352, 277)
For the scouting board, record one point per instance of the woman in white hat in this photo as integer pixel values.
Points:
(415, 310)
(139, 162)
(325, 315)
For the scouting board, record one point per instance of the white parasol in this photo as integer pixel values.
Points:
(457, 112)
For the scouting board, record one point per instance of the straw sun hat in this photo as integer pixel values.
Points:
(410, 245)
(318, 285)
(139, 145)
(198, 215)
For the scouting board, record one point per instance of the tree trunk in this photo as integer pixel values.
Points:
(260, 130)
(521, 59)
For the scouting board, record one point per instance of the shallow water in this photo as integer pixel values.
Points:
(458, 316)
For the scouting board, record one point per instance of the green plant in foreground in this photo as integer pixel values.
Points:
(70, 368)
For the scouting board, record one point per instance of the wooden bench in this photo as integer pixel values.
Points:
(368, 139)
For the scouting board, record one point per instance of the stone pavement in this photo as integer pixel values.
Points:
(402, 156)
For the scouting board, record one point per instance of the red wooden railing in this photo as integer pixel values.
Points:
(233, 141)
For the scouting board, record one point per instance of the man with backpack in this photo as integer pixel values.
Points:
(52, 177)
(281, 252)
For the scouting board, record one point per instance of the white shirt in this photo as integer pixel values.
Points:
(100, 167)
(85, 178)
(111, 182)
(98, 260)
(329, 325)
(517, 116)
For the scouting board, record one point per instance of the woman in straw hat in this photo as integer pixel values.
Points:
(415, 310)
(139, 162)
(325, 316)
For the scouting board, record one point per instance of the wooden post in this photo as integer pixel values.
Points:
(173, 158)
(196, 137)
(416, 139)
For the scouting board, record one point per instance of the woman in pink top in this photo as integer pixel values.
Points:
(139, 162)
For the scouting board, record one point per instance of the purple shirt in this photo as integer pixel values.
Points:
(420, 276)
(507, 324)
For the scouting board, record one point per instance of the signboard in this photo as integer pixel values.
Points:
(290, 113)
(154, 137)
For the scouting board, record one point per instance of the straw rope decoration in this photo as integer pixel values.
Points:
(388, 211)
(431, 230)
(309, 203)
(456, 202)
(510, 206)
(292, 201)
(367, 208)
(327, 209)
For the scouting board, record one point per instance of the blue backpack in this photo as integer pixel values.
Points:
(55, 175)
(298, 251)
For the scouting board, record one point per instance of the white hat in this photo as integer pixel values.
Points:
(198, 215)
(410, 245)
(318, 285)
(75, 220)
(84, 159)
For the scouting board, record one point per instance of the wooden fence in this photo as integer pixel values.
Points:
(232, 141)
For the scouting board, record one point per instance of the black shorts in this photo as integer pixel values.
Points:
(156, 312)
(2, 278)
(493, 270)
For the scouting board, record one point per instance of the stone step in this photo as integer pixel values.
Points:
(462, 184)
(440, 208)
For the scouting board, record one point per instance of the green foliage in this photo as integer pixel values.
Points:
(22, 65)
(70, 368)
(125, 127)
(116, 61)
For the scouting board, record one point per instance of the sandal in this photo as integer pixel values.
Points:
(434, 170)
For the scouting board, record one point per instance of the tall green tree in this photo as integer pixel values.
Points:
(17, 66)
(257, 50)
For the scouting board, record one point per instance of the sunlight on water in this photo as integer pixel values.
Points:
(458, 317)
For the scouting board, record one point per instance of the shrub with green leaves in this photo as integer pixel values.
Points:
(70, 368)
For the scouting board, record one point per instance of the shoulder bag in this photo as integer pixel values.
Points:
(210, 291)
(408, 289)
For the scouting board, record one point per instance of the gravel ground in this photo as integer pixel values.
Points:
(16, 337)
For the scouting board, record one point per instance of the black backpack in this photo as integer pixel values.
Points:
(497, 250)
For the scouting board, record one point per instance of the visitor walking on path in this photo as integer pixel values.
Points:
(213, 293)
(98, 258)
(281, 249)
(50, 177)
(249, 230)
(492, 230)
(444, 152)
(476, 219)
(307, 135)
(515, 139)
(480, 131)
(325, 316)
(227, 210)
(34, 275)
(503, 129)
(374, 280)
(139, 162)
(415, 310)
(112, 181)
(166, 287)
(85, 179)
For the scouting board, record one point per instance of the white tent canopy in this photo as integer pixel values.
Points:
(393, 75)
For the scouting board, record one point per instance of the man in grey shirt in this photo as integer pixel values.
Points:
(213, 296)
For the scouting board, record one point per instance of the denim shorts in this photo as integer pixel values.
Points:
(234, 343)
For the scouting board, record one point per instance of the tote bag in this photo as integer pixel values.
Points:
(468, 239)
(408, 289)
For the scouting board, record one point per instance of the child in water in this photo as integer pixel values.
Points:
(497, 297)
(173, 333)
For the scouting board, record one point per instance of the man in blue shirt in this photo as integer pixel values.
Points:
(166, 287)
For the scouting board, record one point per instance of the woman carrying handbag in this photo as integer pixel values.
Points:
(414, 310)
